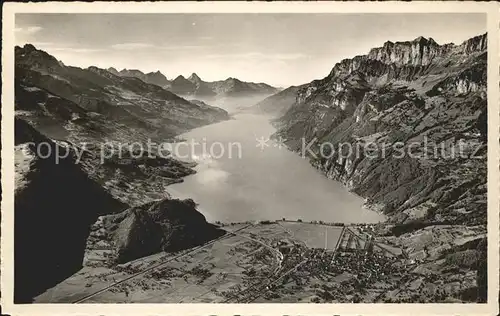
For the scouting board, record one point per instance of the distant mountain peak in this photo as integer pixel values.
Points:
(156, 74)
(38, 58)
(131, 72)
(156, 78)
(194, 78)
(232, 79)
(29, 47)
(113, 71)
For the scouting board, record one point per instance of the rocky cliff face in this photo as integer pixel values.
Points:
(55, 204)
(417, 97)
(164, 225)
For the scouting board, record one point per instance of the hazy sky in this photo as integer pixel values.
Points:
(280, 49)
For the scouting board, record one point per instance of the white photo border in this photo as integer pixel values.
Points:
(491, 9)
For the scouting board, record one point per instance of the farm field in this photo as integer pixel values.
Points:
(279, 261)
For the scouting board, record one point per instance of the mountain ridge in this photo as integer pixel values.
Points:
(397, 92)
(148, 108)
(194, 86)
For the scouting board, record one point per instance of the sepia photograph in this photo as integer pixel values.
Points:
(250, 157)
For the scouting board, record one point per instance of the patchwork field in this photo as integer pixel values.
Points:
(215, 272)
(267, 262)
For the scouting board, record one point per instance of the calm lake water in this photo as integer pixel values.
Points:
(238, 181)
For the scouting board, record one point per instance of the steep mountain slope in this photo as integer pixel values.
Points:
(127, 102)
(55, 204)
(407, 101)
(278, 104)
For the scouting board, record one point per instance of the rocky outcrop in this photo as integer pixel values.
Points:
(55, 204)
(167, 225)
(422, 108)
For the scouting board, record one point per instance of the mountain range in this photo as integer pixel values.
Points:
(402, 93)
(156, 78)
(74, 103)
(194, 86)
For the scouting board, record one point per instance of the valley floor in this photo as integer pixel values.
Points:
(281, 261)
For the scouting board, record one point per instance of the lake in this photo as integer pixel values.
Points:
(238, 181)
